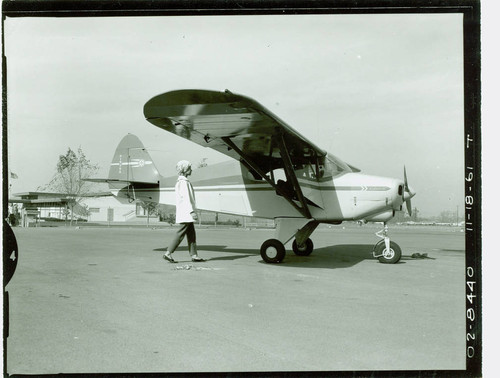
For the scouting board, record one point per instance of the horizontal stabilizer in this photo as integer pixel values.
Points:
(116, 181)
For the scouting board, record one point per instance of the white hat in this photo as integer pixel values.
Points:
(182, 167)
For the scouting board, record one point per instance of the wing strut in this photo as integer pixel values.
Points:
(290, 173)
(304, 210)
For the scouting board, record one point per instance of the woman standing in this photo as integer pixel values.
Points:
(185, 213)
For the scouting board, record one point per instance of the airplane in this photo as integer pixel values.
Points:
(275, 172)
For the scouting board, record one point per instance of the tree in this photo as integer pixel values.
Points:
(446, 216)
(166, 213)
(71, 172)
(85, 211)
(151, 208)
(170, 218)
(415, 214)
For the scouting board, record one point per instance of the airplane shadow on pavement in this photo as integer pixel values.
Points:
(332, 257)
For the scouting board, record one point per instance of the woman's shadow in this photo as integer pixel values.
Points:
(241, 253)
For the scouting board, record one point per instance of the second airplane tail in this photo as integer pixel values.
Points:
(132, 173)
(133, 163)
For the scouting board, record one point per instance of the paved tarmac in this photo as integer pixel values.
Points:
(103, 300)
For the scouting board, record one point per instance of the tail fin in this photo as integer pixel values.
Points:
(132, 163)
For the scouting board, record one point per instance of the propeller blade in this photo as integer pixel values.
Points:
(407, 190)
(408, 206)
(406, 179)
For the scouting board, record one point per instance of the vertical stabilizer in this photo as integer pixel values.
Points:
(133, 163)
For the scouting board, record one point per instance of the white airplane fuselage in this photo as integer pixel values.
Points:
(230, 188)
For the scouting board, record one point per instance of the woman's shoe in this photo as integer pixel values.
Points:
(169, 258)
(196, 259)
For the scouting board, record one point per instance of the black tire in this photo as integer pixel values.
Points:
(388, 257)
(304, 250)
(272, 251)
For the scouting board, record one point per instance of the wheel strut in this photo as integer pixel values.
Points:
(386, 250)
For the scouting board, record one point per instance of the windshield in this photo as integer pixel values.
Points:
(327, 167)
(331, 166)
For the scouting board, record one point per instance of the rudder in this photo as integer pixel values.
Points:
(133, 163)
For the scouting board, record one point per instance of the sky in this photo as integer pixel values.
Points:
(379, 91)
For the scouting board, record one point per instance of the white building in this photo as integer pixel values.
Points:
(35, 207)
(113, 209)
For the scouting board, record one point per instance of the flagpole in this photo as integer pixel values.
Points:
(12, 176)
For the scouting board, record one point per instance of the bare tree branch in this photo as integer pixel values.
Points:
(71, 171)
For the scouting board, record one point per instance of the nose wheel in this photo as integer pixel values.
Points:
(387, 251)
(386, 255)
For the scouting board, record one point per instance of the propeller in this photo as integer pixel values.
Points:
(407, 194)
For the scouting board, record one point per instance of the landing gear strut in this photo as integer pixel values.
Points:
(387, 251)
(273, 250)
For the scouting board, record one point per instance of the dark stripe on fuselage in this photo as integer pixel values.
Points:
(269, 188)
(231, 173)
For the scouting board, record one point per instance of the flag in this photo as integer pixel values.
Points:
(13, 175)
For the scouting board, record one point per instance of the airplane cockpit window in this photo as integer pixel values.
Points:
(312, 170)
(305, 171)
(331, 169)
(330, 166)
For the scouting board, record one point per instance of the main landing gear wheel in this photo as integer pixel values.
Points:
(272, 251)
(391, 256)
(303, 250)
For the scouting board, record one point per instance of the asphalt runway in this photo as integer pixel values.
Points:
(102, 300)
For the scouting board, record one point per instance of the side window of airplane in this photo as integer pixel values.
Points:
(279, 174)
(305, 171)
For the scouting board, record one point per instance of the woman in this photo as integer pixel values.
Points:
(185, 213)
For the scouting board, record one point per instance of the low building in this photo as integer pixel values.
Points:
(108, 208)
(35, 207)
(32, 207)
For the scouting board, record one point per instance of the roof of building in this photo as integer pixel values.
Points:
(46, 197)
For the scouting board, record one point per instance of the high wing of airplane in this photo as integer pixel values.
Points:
(243, 129)
(275, 172)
